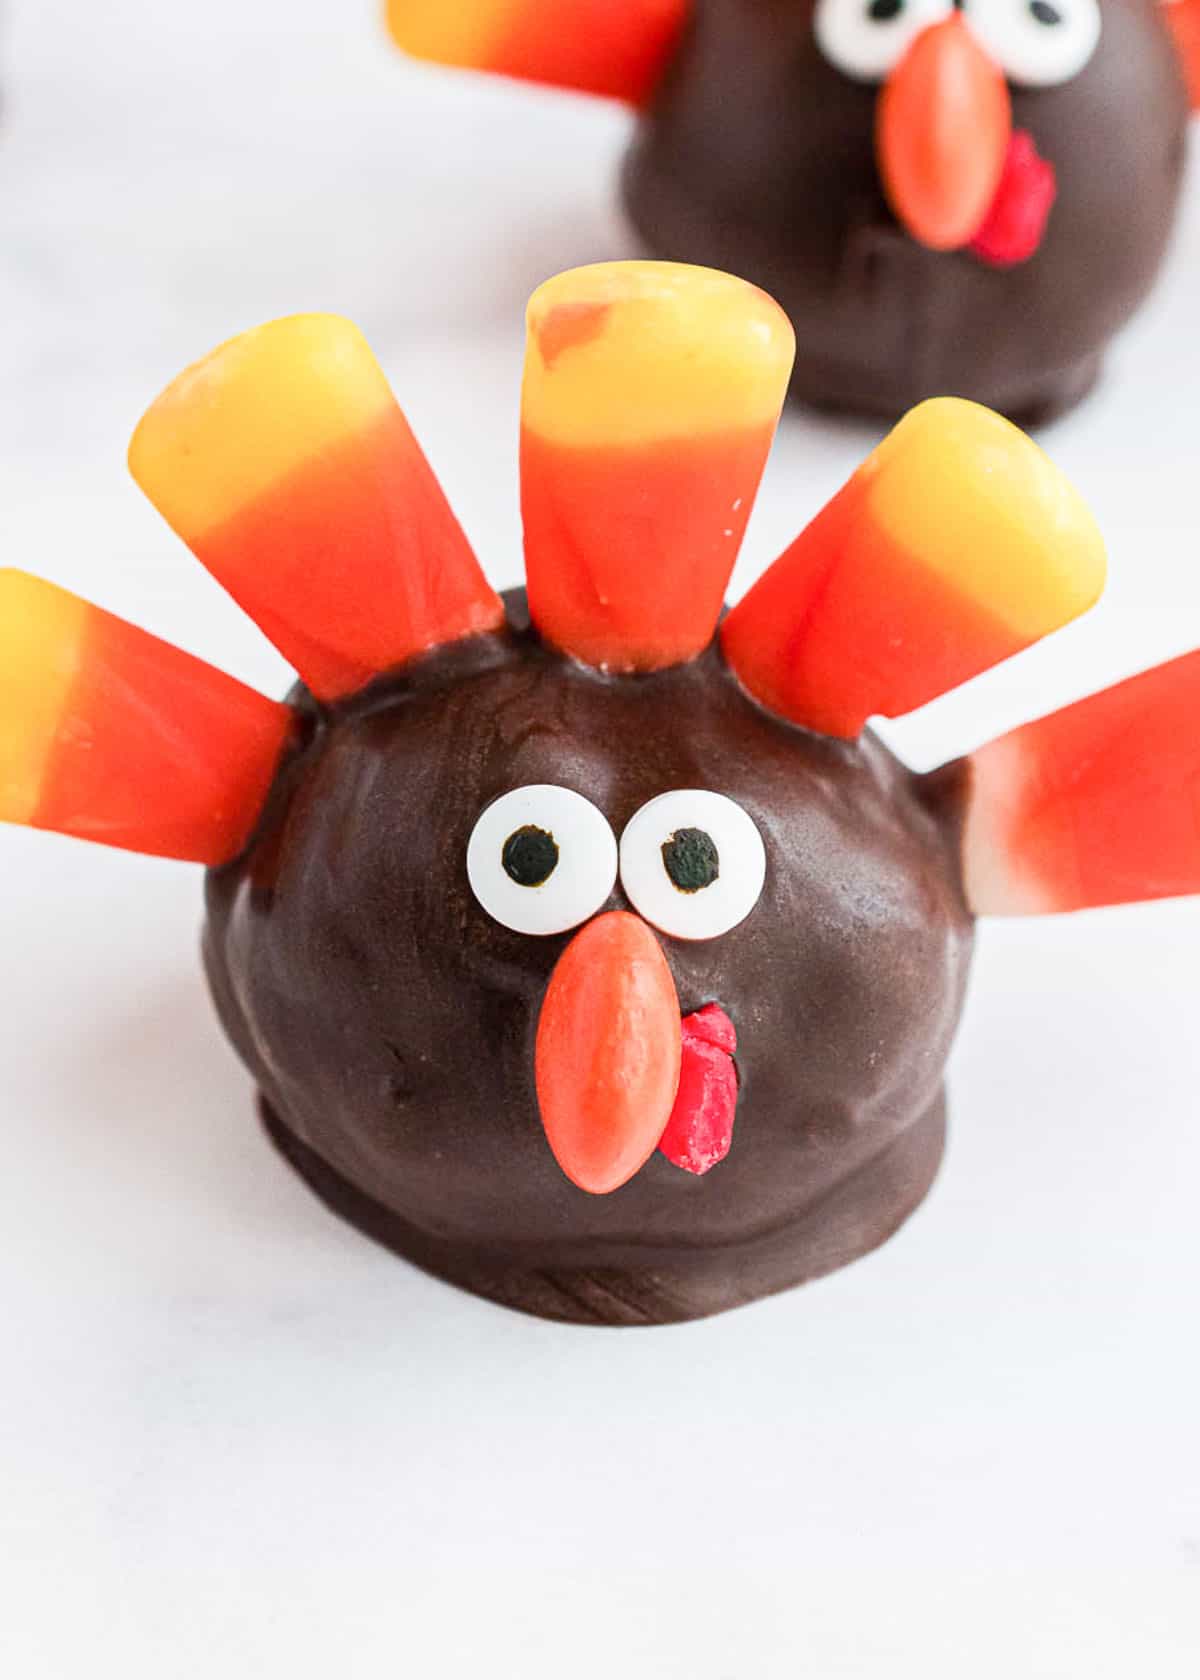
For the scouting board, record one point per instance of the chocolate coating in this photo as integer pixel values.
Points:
(759, 156)
(390, 1022)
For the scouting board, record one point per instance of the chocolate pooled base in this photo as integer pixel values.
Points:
(390, 1023)
(758, 156)
(644, 1285)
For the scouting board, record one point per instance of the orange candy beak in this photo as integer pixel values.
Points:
(943, 127)
(609, 1047)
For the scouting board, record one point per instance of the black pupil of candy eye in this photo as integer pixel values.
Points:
(691, 859)
(1045, 13)
(883, 11)
(530, 856)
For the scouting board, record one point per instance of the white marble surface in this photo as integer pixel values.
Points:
(236, 1438)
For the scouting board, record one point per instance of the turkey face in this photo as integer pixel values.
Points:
(391, 1018)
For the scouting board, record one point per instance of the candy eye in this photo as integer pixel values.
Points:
(867, 38)
(692, 863)
(542, 859)
(1037, 43)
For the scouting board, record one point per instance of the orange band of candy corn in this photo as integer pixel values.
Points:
(616, 48)
(108, 734)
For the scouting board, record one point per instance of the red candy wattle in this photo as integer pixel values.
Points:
(1015, 225)
(700, 1129)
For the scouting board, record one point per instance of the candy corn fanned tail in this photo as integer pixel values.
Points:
(956, 544)
(284, 463)
(615, 48)
(108, 734)
(651, 397)
(1097, 804)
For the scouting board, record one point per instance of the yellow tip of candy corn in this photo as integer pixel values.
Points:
(461, 32)
(41, 640)
(629, 353)
(250, 413)
(970, 498)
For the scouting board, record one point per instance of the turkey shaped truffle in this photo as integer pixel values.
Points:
(964, 199)
(590, 952)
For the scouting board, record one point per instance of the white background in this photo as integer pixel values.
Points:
(237, 1439)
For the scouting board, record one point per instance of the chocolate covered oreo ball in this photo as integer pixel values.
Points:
(585, 946)
(393, 1027)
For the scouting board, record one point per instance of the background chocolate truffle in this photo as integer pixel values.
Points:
(761, 149)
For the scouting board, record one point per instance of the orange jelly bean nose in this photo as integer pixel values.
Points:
(609, 1044)
(943, 128)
